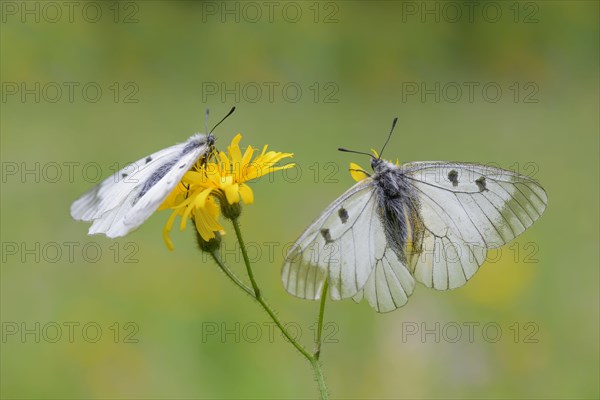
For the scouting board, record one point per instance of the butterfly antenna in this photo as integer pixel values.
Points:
(389, 136)
(206, 120)
(224, 118)
(356, 152)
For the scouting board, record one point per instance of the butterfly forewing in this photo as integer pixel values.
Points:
(467, 209)
(113, 190)
(341, 245)
(123, 201)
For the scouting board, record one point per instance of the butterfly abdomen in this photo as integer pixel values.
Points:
(398, 207)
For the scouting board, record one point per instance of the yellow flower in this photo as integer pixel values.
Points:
(223, 177)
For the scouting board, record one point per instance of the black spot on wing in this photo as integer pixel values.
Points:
(453, 177)
(326, 235)
(123, 175)
(343, 214)
(481, 183)
(148, 159)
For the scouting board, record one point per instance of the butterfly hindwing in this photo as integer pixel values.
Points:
(389, 285)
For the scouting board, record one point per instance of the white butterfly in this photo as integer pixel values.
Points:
(429, 221)
(123, 201)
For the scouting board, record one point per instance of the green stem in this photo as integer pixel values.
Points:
(313, 359)
(320, 378)
(320, 321)
(238, 233)
(230, 274)
(262, 302)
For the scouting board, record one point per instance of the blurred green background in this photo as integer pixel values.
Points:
(172, 325)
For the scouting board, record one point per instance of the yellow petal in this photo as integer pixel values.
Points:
(198, 201)
(184, 201)
(211, 213)
(357, 172)
(264, 164)
(241, 169)
(194, 178)
(207, 220)
(272, 157)
(173, 198)
(201, 201)
(246, 194)
(232, 193)
(234, 150)
(253, 171)
(224, 163)
(286, 166)
(225, 181)
(167, 229)
(202, 228)
(264, 150)
(213, 174)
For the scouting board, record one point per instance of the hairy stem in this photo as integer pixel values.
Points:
(238, 234)
(320, 320)
(231, 275)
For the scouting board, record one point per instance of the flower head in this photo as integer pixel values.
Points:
(221, 178)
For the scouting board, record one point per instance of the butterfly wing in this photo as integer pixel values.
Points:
(123, 201)
(467, 209)
(345, 245)
(389, 285)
